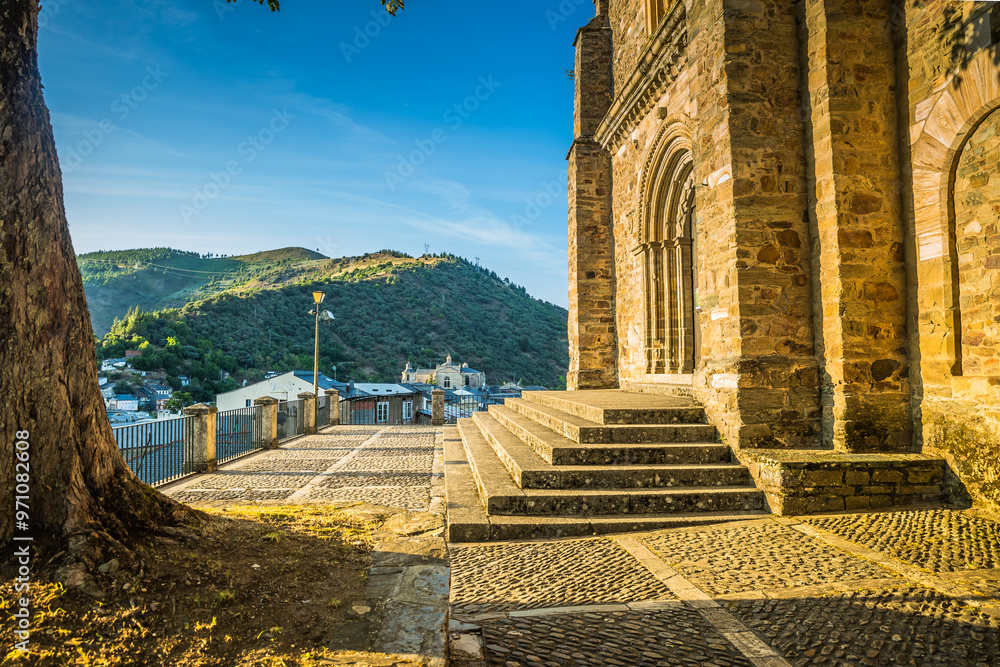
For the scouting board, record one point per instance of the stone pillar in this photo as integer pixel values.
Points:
(437, 407)
(333, 398)
(269, 416)
(858, 238)
(592, 336)
(307, 411)
(201, 437)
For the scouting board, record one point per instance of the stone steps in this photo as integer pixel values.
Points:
(468, 522)
(501, 495)
(614, 407)
(541, 466)
(585, 431)
(530, 471)
(557, 449)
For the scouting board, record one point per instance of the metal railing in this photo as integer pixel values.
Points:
(238, 432)
(157, 452)
(323, 411)
(461, 407)
(377, 410)
(291, 421)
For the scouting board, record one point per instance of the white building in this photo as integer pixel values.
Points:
(447, 375)
(284, 387)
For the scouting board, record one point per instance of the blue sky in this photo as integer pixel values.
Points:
(227, 128)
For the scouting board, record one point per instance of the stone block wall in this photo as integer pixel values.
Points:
(950, 115)
(846, 221)
(857, 235)
(827, 482)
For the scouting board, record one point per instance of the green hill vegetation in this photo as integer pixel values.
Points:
(250, 314)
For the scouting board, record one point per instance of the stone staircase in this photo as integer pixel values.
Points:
(555, 464)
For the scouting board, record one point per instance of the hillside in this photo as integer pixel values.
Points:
(389, 309)
(158, 278)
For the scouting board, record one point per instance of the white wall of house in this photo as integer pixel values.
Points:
(284, 387)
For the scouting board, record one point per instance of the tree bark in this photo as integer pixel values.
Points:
(79, 482)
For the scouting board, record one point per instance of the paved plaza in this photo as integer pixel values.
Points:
(912, 587)
(918, 587)
(391, 466)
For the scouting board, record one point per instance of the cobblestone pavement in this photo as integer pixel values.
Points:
(919, 587)
(510, 576)
(390, 466)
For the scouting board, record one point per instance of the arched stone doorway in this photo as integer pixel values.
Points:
(666, 241)
(977, 250)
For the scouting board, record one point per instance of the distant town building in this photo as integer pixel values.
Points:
(284, 387)
(126, 402)
(447, 375)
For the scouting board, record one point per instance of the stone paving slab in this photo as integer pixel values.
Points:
(902, 625)
(677, 636)
(507, 576)
(756, 555)
(938, 540)
(774, 592)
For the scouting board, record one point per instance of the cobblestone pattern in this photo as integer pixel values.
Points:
(235, 479)
(286, 465)
(511, 576)
(394, 469)
(666, 637)
(936, 540)
(390, 463)
(240, 495)
(906, 626)
(410, 498)
(757, 557)
(365, 478)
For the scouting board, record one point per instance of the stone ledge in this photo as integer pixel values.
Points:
(809, 481)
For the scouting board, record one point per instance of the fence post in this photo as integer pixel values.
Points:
(203, 418)
(333, 396)
(308, 411)
(437, 407)
(269, 417)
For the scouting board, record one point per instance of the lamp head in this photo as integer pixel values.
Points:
(318, 297)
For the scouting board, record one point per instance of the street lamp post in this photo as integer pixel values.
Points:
(326, 316)
(317, 299)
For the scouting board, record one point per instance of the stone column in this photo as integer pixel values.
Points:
(269, 416)
(307, 411)
(437, 407)
(333, 398)
(201, 437)
(858, 230)
(592, 337)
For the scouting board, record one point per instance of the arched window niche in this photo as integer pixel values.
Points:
(665, 239)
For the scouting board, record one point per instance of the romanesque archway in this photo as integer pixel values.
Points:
(976, 250)
(665, 238)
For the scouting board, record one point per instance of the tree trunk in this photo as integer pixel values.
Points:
(79, 482)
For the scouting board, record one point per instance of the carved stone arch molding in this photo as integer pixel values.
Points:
(942, 125)
(664, 237)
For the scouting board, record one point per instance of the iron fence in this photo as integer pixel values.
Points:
(323, 412)
(291, 421)
(238, 432)
(461, 407)
(375, 410)
(157, 452)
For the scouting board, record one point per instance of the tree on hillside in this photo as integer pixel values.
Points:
(79, 487)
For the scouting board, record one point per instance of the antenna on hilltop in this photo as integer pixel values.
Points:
(427, 249)
(477, 261)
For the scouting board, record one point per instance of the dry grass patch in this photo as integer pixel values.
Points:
(255, 586)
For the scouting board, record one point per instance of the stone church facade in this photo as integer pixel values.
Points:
(790, 210)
